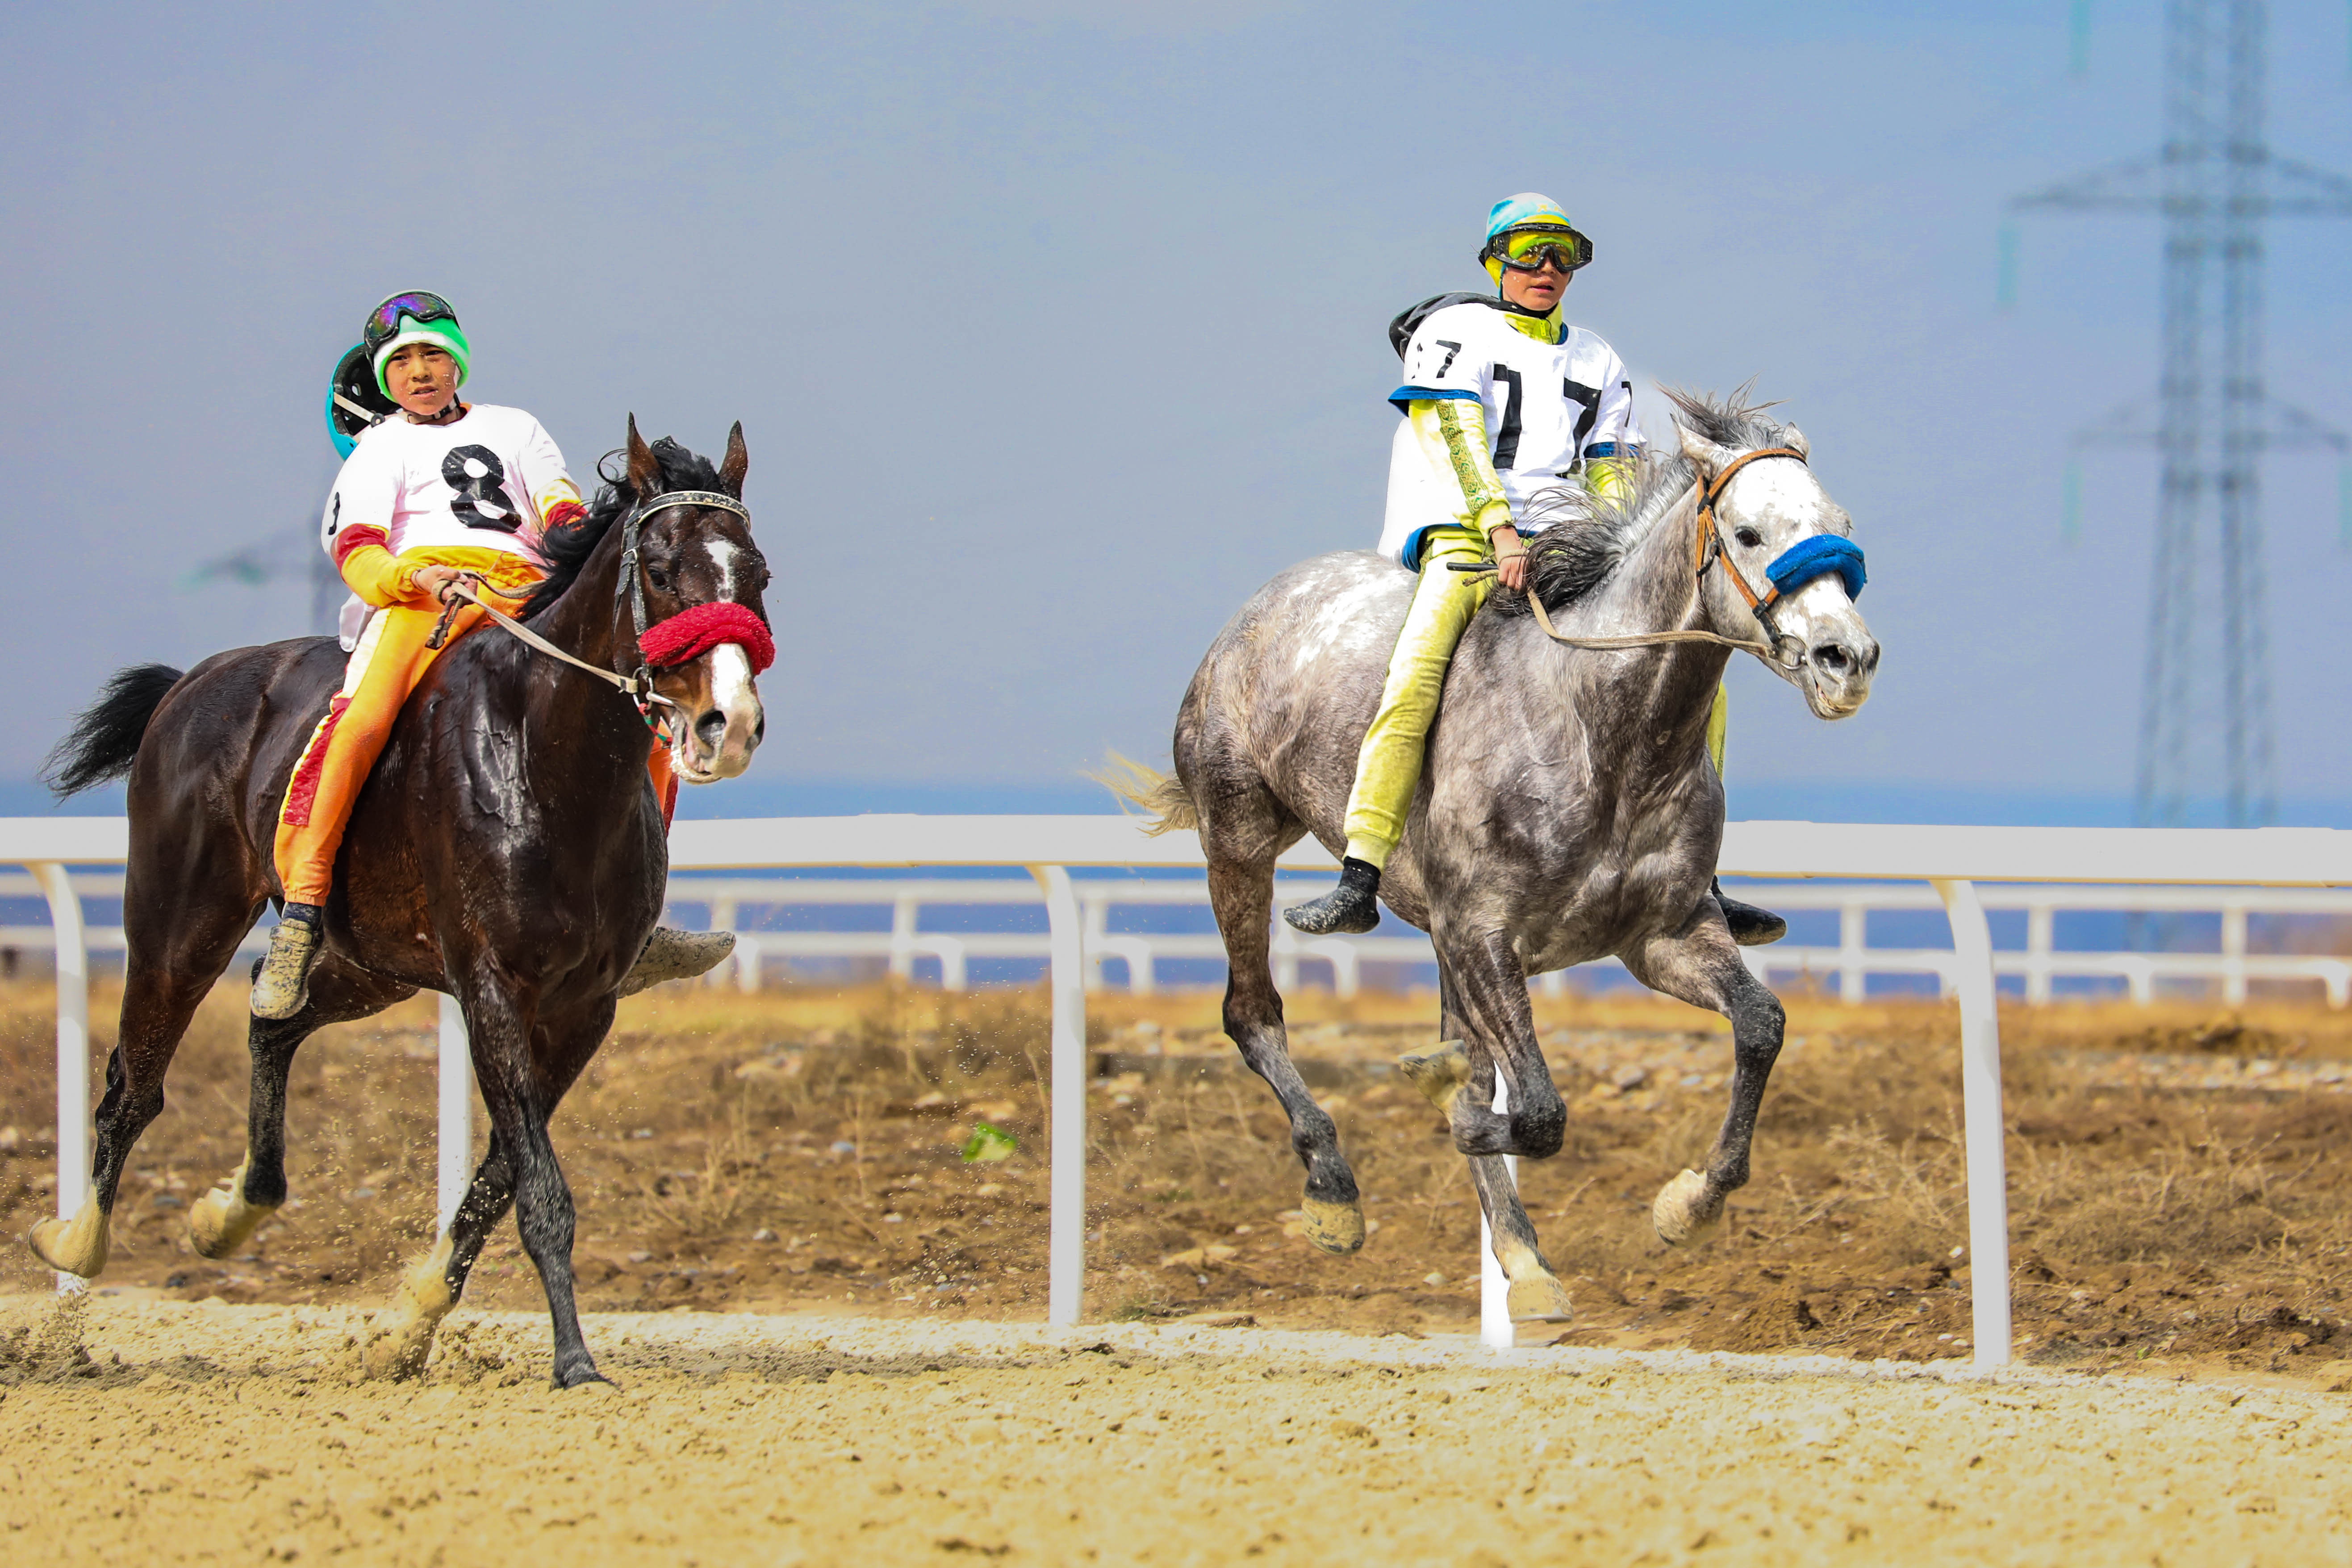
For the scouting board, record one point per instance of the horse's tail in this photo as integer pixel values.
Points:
(1161, 794)
(104, 740)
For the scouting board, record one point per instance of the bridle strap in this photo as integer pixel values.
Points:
(1708, 544)
(638, 688)
(1706, 549)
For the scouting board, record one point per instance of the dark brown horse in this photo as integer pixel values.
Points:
(508, 850)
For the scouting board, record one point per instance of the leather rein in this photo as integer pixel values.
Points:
(1783, 652)
(638, 688)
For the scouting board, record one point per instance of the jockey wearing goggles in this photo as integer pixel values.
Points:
(432, 490)
(1503, 401)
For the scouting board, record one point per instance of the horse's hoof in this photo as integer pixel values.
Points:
(401, 1338)
(1686, 1209)
(222, 1221)
(1441, 1076)
(1539, 1299)
(672, 955)
(1333, 1228)
(72, 1247)
(588, 1381)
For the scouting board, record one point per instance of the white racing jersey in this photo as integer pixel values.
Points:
(490, 480)
(1549, 408)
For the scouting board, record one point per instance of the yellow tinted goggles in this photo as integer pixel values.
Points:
(1532, 249)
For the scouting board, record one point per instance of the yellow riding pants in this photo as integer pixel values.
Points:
(1388, 766)
(391, 658)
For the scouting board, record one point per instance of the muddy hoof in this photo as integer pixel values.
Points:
(1685, 1210)
(1333, 1228)
(1441, 1074)
(222, 1221)
(1539, 1299)
(400, 1338)
(72, 1247)
(672, 955)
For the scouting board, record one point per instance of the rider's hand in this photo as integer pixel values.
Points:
(437, 581)
(1510, 558)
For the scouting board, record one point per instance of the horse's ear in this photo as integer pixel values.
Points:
(1794, 440)
(1706, 455)
(736, 464)
(645, 468)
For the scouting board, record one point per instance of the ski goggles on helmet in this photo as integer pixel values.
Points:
(384, 321)
(1531, 249)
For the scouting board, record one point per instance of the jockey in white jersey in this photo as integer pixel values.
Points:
(436, 490)
(1503, 400)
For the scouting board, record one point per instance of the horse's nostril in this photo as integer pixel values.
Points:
(1832, 658)
(711, 727)
(760, 729)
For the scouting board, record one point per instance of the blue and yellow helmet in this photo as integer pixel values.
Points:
(1532, 223)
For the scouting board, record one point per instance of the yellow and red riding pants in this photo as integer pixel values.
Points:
(391, 658)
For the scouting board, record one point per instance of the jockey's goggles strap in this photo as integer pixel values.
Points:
(384, 321)
(1528, 249)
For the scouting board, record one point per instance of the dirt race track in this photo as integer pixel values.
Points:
(787, 1264)
(172, 1432)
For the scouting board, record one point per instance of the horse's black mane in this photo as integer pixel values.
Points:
(567, 550)
(1585, 536)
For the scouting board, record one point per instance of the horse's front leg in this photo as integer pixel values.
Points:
(401, 1338)
(1487, 993)
(1700, 964)
(1454, 1078)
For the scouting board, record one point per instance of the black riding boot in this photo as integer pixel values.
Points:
(1353, 907)
(1750, 927)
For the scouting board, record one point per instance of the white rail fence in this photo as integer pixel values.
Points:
(1952, 861)
(733, 903)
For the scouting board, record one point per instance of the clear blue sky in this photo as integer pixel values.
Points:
(1056, 327)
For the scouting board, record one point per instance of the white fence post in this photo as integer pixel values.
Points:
(1988, 1164)
(73, 1045)
(1494, 1330)
(455, 1171)
(2233, 953)
(1065, 1230)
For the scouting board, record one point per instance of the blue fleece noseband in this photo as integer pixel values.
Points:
(1818, 557)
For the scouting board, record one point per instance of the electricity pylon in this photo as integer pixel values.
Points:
(2214, 181)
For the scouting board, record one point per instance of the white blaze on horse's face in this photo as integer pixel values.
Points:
(1770, 506)
(721, 721)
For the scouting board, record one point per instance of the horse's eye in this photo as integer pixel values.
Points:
(1748, 537)
(658, 578)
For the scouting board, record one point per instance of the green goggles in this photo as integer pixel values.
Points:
(1533, 249)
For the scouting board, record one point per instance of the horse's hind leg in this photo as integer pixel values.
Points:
(1699, 965)
(1450, 1076)
(222, 1219)
(171, 970)
(1242, 895)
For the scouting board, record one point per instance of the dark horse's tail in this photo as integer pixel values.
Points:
(105, 740)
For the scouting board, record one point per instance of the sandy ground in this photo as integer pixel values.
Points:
(164, 1432)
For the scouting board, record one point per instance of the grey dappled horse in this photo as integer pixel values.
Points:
(1567, 809)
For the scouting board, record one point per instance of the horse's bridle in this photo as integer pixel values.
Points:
(1706, 549)
(638, 688)
(1783, 652)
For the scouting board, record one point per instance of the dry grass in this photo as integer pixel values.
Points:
(2147, 1221)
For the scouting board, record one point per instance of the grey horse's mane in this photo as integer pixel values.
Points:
(1584, 537)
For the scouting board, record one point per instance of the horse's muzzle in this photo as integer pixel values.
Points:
(1838, 672)
(728, 721)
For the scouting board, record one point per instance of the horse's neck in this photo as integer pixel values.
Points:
(1650, 708)
(583, 621)
(1654, 587)
(575, 718)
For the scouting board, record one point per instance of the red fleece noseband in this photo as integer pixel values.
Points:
(690, 634)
